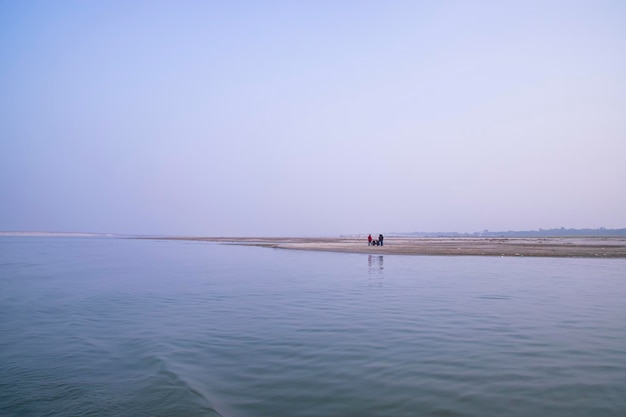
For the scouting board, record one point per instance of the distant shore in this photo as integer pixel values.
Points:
(561, 247)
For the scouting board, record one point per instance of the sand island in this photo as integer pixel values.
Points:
(579, 247)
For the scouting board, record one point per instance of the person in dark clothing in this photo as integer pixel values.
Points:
(380, 239)
(369, 240)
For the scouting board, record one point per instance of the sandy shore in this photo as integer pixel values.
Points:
(597, 247)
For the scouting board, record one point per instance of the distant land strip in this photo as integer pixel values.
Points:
(561, 247)
(555, 232)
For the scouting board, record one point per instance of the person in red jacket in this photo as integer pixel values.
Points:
(369, 240)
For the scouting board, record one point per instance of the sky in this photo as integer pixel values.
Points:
(311, 118)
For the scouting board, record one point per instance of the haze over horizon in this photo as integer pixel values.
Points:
(311, 118)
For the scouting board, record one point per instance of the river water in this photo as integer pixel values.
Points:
(113, 327)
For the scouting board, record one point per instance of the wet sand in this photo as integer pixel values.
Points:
(579, 247)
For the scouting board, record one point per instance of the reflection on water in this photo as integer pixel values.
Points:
(128, 328)
(375, 267)
(375, 263)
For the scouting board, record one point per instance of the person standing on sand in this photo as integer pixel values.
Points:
(369, 240)
(380, 239)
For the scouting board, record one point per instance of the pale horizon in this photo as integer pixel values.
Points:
(43, 233)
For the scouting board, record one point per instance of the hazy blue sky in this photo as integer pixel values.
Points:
(311, 118)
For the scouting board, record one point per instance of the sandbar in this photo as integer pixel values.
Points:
(564, 247)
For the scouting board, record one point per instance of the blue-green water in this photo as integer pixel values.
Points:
(108, 327)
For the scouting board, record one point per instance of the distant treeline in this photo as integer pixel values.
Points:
(561, 232)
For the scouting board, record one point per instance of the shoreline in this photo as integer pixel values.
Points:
(553, 247)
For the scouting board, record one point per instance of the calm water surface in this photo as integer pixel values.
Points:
(108, 327)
